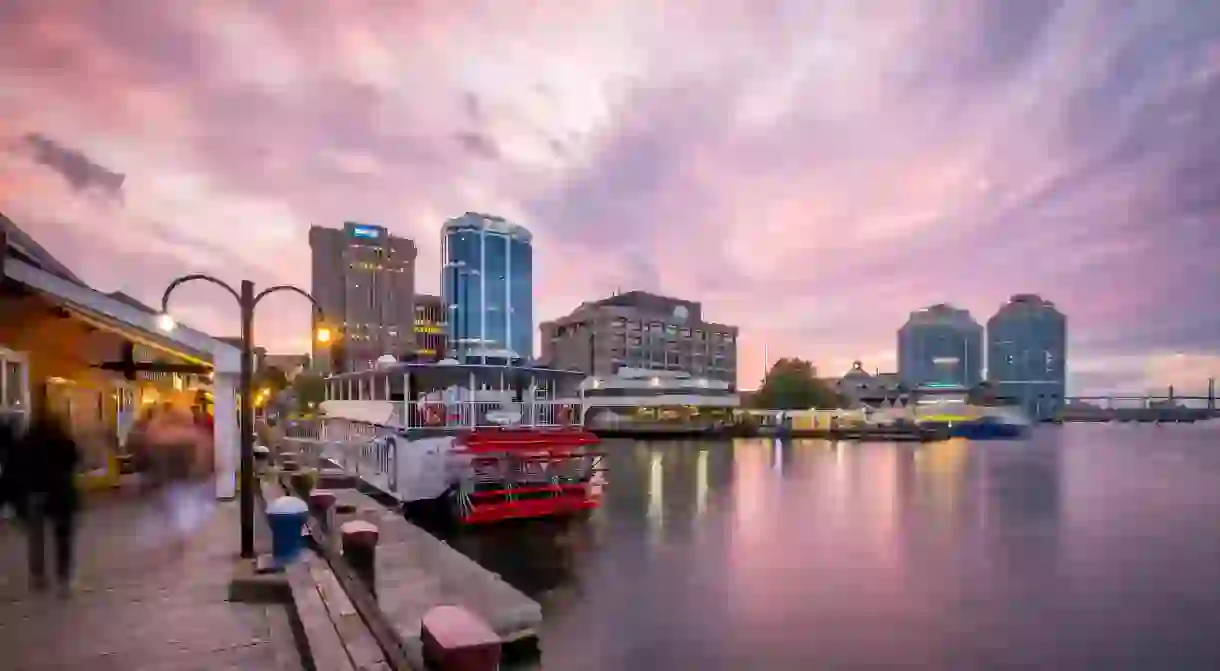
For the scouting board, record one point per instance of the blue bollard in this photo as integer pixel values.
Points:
(286, 516)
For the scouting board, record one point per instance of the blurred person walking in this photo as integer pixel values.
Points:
(177, 444)
(44, 464)
(141, 450)
(207, 428)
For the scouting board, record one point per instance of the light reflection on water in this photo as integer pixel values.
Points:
(1085, 547)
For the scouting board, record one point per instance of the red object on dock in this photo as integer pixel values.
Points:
(454, 639)
(541, 438)
(524, 473)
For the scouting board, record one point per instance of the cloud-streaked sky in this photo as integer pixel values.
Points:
(811, 171)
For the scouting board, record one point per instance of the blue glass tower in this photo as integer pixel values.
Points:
(1027, 354)
(940, 345)
(487, 285)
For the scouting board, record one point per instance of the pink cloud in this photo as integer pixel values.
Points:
(811, 176)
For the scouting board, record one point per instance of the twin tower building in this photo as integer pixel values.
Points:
(364, 280)
(1023, 351)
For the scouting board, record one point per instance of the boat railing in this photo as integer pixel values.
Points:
(490, 414)
(363, 449)
(369, 450)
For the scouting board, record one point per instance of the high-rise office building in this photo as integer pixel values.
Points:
(364, 279)
(487, 284)
(641, 330)
(430, 333)
(940, 344)
(1027, 354)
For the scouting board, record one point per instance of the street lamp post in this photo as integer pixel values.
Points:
(247, 300)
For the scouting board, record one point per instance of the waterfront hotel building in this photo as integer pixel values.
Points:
(487, 285)
(640, 330)
(940, 344)
(1027, 354)
(364, 280)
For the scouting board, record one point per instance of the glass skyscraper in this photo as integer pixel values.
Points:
(940, 344)
(487, 285)
(1027, 354)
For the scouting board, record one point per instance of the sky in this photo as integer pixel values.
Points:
(810, 171)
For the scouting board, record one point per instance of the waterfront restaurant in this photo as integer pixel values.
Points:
(641, 398)
(98, 358)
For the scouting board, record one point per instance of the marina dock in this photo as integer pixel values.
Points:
(417, 572)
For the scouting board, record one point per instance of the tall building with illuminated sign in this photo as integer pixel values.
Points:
(487, 285)
(364, 279)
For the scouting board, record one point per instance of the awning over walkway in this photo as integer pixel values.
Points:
(137, 325)
(111, 314)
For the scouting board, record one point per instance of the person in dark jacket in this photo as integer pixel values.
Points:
(45, 463)
(10, 436)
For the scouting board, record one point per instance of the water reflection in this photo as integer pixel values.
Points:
(656, 492)
(809, 554)
(701, 484)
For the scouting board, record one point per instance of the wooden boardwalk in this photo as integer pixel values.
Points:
(138, 606)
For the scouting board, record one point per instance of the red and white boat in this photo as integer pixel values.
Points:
(516, 473)
(479, 441)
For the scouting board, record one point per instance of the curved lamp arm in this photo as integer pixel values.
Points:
(190, 278)
(286, 287)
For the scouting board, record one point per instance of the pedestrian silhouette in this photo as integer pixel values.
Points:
(43, 463)
(10, 435)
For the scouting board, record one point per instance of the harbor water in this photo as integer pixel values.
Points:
(1083, 547)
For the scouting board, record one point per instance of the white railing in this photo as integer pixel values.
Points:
(302, 428)
(487, 414)
(370, 451)
(359, 448)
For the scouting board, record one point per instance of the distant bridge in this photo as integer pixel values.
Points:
(1114, 401)
(1168, 407)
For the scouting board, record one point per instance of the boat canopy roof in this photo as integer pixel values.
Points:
(427, 377)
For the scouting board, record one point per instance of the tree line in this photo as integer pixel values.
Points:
(793, 384)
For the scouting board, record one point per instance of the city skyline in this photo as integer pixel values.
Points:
(808, 175)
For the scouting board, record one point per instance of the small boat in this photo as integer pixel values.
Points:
(978, 423)
(475, 441)
(946, 409)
